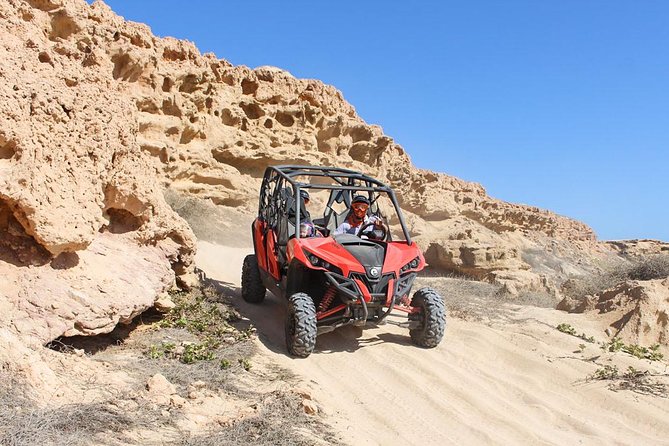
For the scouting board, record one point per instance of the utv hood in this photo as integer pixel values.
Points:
(347, 252)
(369, 254)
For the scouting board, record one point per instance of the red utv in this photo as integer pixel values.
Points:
(331, 280)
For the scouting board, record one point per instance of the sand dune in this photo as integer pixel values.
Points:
(516, 380)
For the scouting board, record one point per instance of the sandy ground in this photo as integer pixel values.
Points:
(516, 380)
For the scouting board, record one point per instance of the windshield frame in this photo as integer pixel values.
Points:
(343, 179)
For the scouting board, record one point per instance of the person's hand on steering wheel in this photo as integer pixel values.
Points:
(379, 231)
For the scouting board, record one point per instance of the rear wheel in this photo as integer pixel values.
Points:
(301, 325)
(253, 290)
(432, 317)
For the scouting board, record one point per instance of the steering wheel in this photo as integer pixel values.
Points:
(382, 228)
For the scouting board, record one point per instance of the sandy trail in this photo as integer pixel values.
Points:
(515, 381)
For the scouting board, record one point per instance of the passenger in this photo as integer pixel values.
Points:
(307, 227)
(357, 217)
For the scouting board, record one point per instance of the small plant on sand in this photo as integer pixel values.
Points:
(568, 329)
(162, 350)
(198, 352)
(614, 345)
(225, 364)
(245, 363)
(606, 372)
(651, 353)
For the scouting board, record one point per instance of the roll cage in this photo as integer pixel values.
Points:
(283, 213)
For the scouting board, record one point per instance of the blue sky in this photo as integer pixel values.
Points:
(559, 104)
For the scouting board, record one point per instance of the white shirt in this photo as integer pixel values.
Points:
(346, 228)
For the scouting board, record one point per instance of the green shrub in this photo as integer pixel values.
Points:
(245, 363)
(162, 350)
(606, 372)
(197, 312)
(652, 353)
(198, 352)
(568, 329)
(616, 344)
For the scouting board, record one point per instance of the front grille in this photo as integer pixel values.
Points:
(378, 288)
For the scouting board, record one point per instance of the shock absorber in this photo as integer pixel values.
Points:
(328, 297)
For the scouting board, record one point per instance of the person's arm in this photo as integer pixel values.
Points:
(342, 229)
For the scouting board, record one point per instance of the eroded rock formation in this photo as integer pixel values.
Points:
(210, 129)
(637, 311)
(97, 115)
(86, 238)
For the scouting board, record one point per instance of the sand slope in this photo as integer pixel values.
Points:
(514, 381)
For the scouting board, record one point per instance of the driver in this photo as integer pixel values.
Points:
(357, 217)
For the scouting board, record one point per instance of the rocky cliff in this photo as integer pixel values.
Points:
(82, 219)
(99, 115)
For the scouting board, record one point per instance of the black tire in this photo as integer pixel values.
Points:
(432, 316)
(253, 291)
(301, 328)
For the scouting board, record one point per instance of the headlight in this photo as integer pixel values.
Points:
(411, 265)
(320, 263)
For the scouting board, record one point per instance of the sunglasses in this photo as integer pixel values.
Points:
(360, 207)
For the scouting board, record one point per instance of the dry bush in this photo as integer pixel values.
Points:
(466, 299)
(470, 299)
(199, 318)
(209, 222)
(615, 272)
(540, 299)
(210, 372)
(72, 424)
(24, 423)
(280, 420)
(200, 314)
(638, 381)
(650, 268)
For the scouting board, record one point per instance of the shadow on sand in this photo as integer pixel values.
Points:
(269, 316)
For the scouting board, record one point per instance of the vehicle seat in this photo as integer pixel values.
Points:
(336, 219)
(291, 206)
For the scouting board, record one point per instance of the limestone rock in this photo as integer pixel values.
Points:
(161, 391)
(98, 116)
(177, 401)
(636, 248)
(309, 407)
(76, 189)
(636, 311)
(84, 293)
(164, 303)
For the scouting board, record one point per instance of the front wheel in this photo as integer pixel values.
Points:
(301, 328)
(253, 290)
(432, 318)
